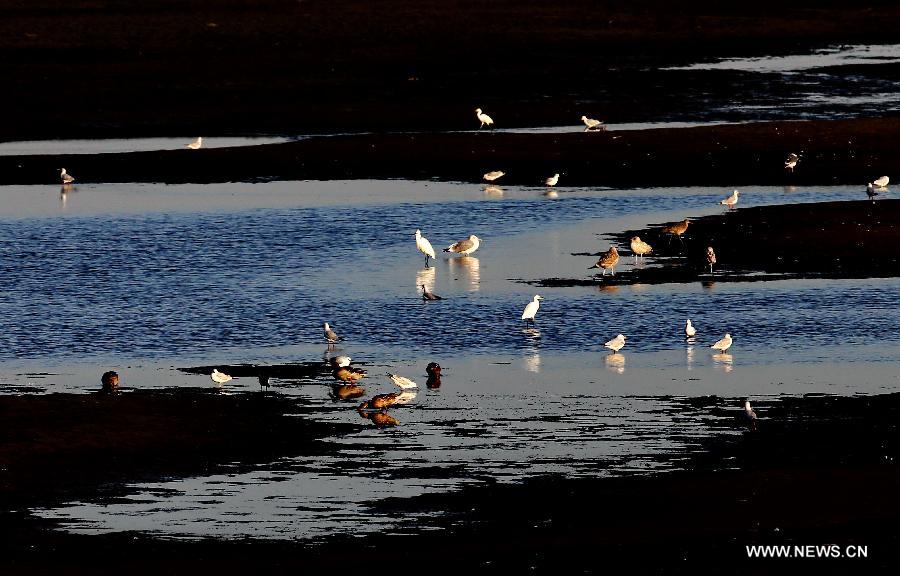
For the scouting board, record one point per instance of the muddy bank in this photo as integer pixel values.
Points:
(856, 239)
(832, 152)
(160, 67)
(814, 470)
(61, 446)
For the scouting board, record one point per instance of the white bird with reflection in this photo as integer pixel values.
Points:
(424, 246)
(723, 344)
(494, 175)
(616, 343)
(65, 176)
(219, 377)
(689, 330)
(403, 382)
(881, 182)
(731, 200)
(464, 247)
(532, 308)
(553, 180)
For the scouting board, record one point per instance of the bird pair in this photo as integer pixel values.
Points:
(462, 247)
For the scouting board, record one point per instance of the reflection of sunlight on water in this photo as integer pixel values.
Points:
(835, 56)
(532, 363)
(724, 362)
(467, 268)
(615, 362)
(551, 194)
(608, 288)
(690, 354)
(425, 276)
(789, 189)
(493, 191)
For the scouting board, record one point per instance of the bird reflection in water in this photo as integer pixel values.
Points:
(466, 268)
(708, 284)
(608, 288)
(532, 361)
(690, 355)
(425, 276)
(493, 191)
(724, 361)
(615, 362)
(379, 419)
(346, 391)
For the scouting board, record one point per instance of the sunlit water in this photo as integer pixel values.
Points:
(113, 145)
(145, 279)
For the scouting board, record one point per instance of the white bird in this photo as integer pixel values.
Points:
(723, 344)
(403, 383)
(65, 176)
(639, 247)
(881, 182)
(616, 343)
(483, 118)
(791, 161)
(464, 247)
(532, 308)
(749, 412)
(689, 330)
(710, 257)
(330, 335)
(551, 181)
(494, 175)
(424, 246)
(731, 200)
(219, 377)
(196, 144)
(590, 123)
(340, 361)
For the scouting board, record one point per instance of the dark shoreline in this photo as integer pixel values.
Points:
(816, 470)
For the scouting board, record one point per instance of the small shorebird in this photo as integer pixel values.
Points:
(464, 247)
(871, 192)
(639, 247)
(483, 118)
(689, 330)
(263, 379)
(402, 382)
(330, 335)
(219, 377)
(881, 182)
(591, 124)
(677, 229)
(608, 261)
(710, 257)
(616, 343)
(731, 200)
(196, 144)
(723, 344)
(749, 412)
(552, 181)
(424, 246)
(434, 375)
(494, 175)
(426, 295)
(65, 176)
(531, 309)
(791, 161)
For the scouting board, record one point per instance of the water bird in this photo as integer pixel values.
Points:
(219, 377)
(434, 375)
(871, 192)
(346, 391)
(380, 419)
(483, 118)
(608, 261)
(340, 361)
(553, 180)
(677, 229)
(723, 344)
(348, 374)
(731, 200)
(263, 379)
(749, 412)
(616, 343)
(591, 124)
(426, 295)
(424, 246)
(639, 247)
(402, 382)
(689, 330)
(65, 176)
(791, 161)
(196, 144)
(385, 401)
(710, 257)
(494, 175)
(330, 335)
(532, 309)
(464, 247)
(881, 182)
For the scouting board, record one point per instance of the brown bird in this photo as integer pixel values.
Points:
(434, 375)
(639, 247)
(348, 373)
(347, 391)
(426, 295)
(677, 229)
(608, 261)
(380, 401)
(379, 419)
(710, 257)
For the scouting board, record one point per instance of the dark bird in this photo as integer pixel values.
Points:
(426, 295)
(677, 229)
(791, 161)
(434, 375)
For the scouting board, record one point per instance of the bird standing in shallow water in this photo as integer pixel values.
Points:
(553, 180)
(434, 375)
(791, 161)
(640, 248)
(608, 261)
(531, 309)
(871, 192)
(65, 176)
(591, 124)
(465, 247)
(881, 182)
(710, 257)
(731, 200)
(616, 343)
(330, 335)
(424, 246)
(689, 330)
(723, 344)
(483, 118)
(196, 144)
(426, 295)
(219, 377)
(677, 229)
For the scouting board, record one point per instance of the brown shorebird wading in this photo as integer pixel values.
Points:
(677, 229)
(608, 261)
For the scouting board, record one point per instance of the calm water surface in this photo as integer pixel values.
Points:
(146, 279)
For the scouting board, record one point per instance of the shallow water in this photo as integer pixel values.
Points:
(114, 145)
(145, 279)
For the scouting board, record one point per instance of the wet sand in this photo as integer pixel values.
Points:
(815, 470)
